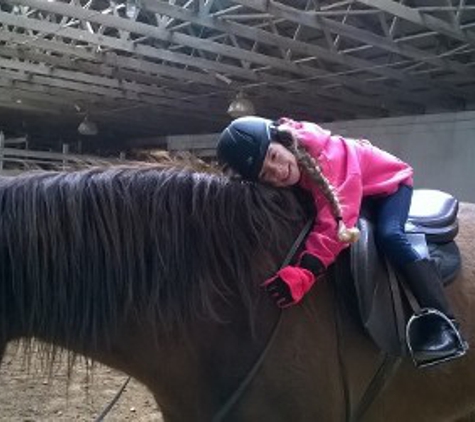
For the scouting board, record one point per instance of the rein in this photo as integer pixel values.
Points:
(387, 367)
(231, 401)
(111, 404)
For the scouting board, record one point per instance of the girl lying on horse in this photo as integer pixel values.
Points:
(339, 173)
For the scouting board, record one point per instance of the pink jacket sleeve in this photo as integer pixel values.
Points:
(322, 240)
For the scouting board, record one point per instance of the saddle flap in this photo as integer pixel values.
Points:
(382, 309)
(376, 299)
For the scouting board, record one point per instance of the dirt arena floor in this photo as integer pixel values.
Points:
(30, 395)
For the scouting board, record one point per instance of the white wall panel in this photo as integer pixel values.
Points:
(440, 147)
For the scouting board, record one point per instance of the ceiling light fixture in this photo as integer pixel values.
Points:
(241, 106)
(131, 9)
(88, 127)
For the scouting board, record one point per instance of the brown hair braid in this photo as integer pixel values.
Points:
(311, 166)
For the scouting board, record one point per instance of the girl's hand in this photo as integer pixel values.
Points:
(280, 292)
(289, 286)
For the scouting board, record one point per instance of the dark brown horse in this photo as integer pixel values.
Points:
(156, 272)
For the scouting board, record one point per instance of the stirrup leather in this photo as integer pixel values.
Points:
(428, 316)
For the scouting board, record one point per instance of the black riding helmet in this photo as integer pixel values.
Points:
(243, 145)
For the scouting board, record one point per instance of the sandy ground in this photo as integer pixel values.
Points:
(28, 394)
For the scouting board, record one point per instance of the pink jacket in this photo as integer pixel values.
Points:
(355, 169)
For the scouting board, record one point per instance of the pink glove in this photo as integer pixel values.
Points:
(289, 285)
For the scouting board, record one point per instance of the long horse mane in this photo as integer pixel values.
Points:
(83, 250)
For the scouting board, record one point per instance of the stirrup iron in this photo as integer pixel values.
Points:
(427, 317)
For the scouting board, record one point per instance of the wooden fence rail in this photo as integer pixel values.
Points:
(17, 160)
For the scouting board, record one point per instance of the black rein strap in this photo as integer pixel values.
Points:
(114, 400)
(220, 415)
(231, 401)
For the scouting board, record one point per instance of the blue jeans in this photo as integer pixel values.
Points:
(391, 216)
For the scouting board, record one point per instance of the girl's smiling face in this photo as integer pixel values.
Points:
(280, 167)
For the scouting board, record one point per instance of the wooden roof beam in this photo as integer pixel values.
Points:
(183, 59)
(365, 37)
(412, 14)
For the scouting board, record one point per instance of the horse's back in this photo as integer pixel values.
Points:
(445, 392)
(322, 361)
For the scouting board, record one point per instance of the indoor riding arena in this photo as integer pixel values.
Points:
(135, 261)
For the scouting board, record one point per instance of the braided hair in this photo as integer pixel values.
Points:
(311, 166)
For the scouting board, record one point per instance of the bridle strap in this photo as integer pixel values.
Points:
(386, 369)
(297, 243)
(111, 404)
(218, 417)
(236, 395)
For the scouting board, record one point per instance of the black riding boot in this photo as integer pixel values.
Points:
(437, 338)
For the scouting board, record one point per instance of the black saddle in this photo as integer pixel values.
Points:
(432, 226)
